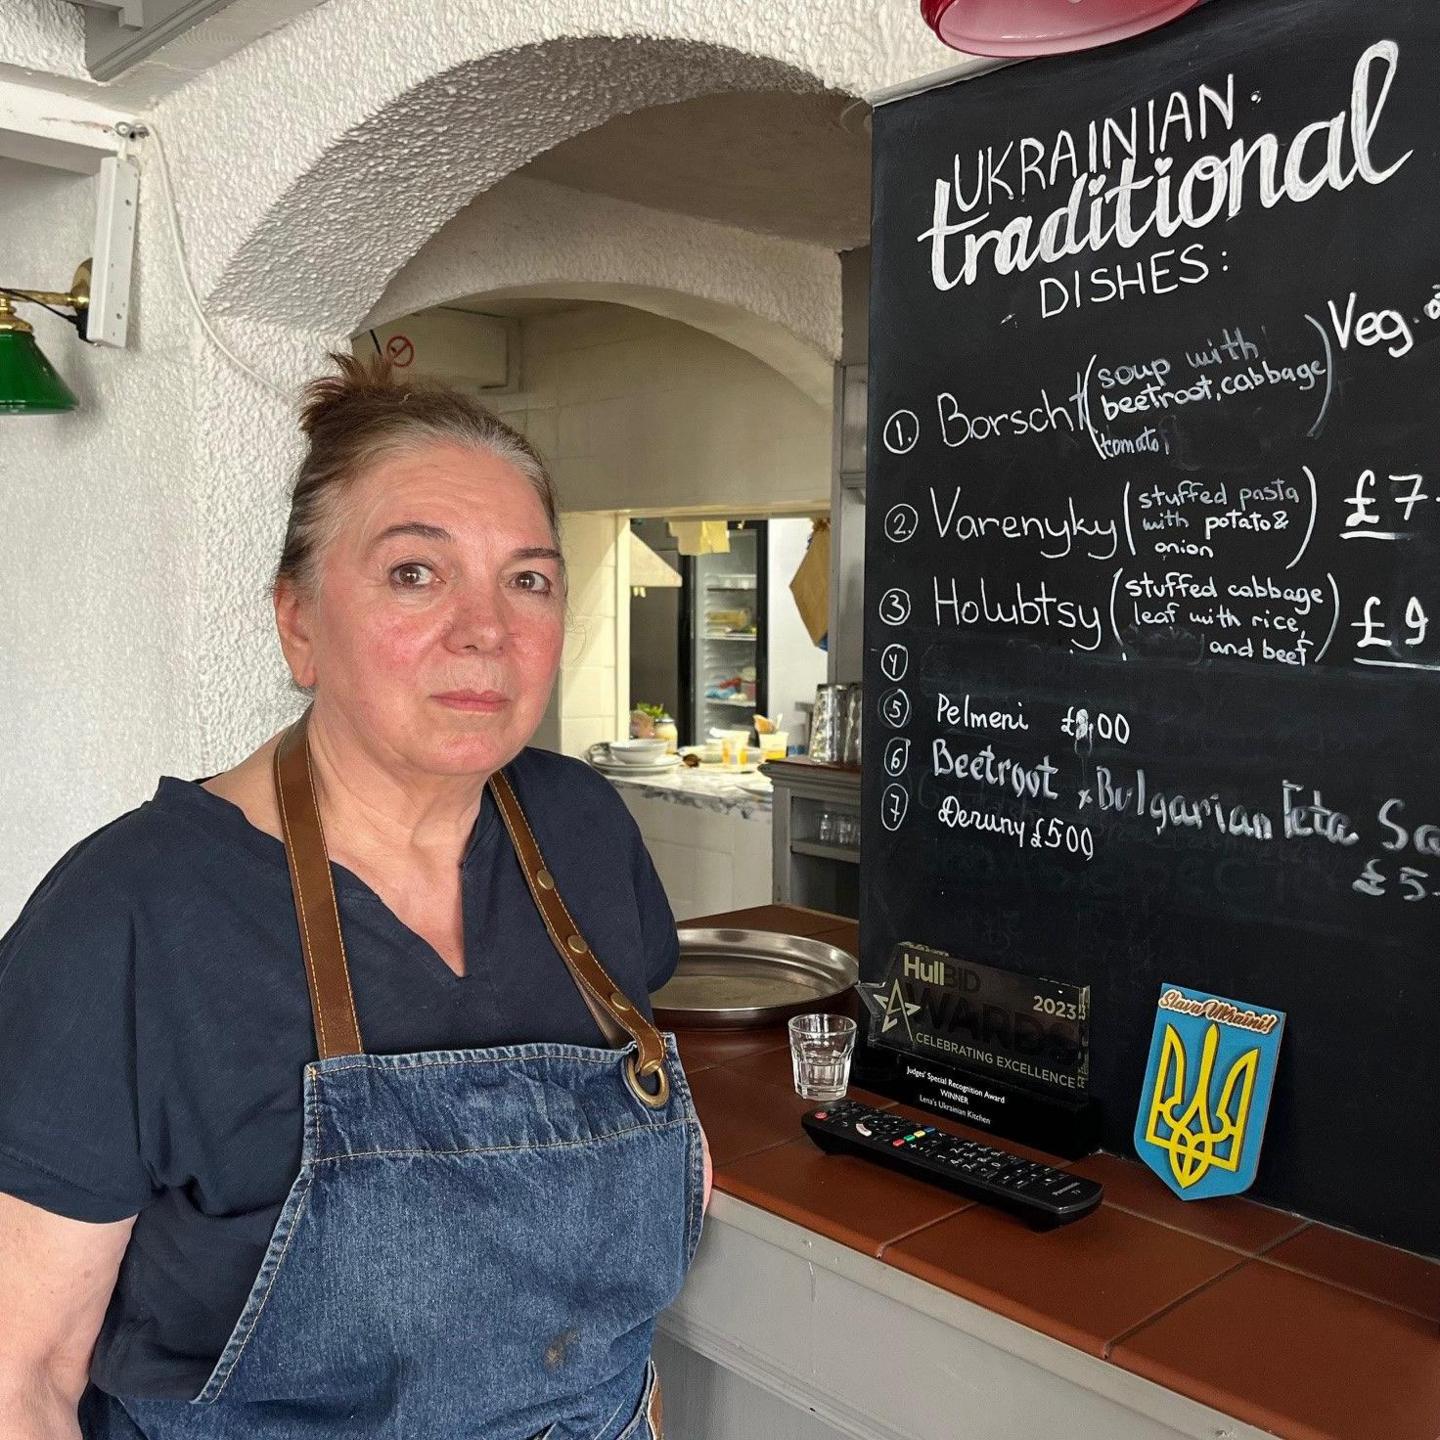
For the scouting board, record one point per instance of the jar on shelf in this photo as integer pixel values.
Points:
(668, 731)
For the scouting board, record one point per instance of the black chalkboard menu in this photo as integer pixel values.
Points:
(1153, 563)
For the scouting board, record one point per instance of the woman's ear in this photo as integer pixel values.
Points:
(292, 621)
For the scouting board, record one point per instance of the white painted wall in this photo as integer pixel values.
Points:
(47, 36)
(593, 682)
(98, 583)
(639, 413)
(383, 118)
(774, 298)
(795, 665)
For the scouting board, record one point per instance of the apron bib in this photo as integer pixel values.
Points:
(478, 1242)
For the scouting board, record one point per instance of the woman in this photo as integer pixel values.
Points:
(329, 1100)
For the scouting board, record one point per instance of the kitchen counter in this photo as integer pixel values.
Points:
(710, 840)
(852, 1301)
(703, 789)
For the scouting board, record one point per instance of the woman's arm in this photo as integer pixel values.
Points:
(705, 1154)
(56, 1278)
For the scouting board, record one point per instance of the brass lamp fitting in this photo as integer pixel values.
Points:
(77, 298)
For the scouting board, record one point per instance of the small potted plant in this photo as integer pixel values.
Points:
(651, 721)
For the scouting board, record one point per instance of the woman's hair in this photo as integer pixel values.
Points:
(364, 415)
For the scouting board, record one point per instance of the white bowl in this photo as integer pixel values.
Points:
(638, 752)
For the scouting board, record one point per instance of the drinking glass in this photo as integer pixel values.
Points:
(820, 1051)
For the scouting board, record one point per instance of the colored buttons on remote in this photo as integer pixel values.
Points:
(1042, 1195)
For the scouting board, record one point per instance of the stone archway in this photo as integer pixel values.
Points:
(777, 299)
(319, 256)
(315, 163)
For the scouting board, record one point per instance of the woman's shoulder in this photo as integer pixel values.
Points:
(140, 852)
(557, 785)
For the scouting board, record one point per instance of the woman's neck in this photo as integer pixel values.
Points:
(379, 809)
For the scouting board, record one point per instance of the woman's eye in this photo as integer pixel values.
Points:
(411, 575)
(534, 580)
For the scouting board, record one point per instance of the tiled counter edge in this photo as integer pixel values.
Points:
(880, 1355)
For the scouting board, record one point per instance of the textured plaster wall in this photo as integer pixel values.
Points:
(47, 36)
(778, 299)
(352, 135)
(99, 583)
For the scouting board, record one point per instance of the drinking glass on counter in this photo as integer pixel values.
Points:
(820, 1051)
(734, 749)
(774, 744)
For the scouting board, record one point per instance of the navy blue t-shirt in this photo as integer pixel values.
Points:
(155, 1023)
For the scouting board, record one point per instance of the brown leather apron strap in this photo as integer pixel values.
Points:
(614, 1014)
(337, 1028)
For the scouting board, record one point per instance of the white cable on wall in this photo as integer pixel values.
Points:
(149, 130)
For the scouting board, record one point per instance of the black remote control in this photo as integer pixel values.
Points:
(1041, 1195)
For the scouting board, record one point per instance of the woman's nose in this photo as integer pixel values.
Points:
(478, 621)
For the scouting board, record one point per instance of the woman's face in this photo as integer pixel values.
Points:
(442, 583)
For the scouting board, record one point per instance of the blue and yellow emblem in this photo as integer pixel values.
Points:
(1207, 1091)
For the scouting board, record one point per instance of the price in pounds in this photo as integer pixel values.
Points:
(1081, 725)
(1060, 835)
(1408, 882)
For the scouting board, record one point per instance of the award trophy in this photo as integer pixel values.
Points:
(1000, 1051)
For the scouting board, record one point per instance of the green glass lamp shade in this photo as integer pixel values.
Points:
(29, 383)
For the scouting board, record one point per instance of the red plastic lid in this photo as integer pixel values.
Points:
(1017, 28)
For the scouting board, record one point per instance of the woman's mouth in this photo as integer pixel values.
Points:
(484, 701)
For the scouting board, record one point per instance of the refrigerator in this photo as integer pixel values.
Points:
(724, 640)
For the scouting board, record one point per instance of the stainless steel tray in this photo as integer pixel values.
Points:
(733, 979)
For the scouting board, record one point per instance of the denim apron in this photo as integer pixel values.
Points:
(478, 1242)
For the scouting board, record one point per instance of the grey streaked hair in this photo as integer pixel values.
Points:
(363, 415)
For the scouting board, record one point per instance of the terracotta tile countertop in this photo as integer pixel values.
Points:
(1292, 1327)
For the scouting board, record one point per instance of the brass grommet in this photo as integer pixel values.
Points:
(545, 880)
(618, 1000)
(576, 945)
(650, 1067)
(656, 1101)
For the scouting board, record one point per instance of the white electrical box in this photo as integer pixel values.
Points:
(117, 192)
(473, 352)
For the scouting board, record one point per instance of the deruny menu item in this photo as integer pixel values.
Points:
(1153, 560)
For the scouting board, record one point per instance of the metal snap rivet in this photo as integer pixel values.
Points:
(576, 945)
(545, 880)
